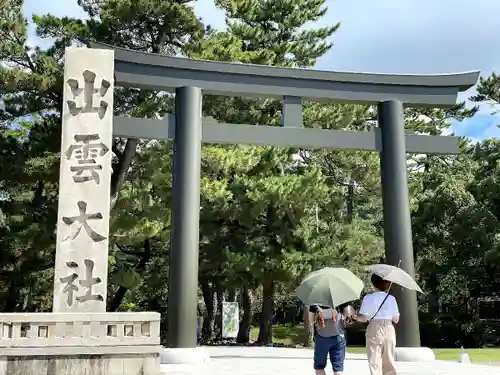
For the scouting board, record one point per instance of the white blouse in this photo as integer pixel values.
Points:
(371, 303)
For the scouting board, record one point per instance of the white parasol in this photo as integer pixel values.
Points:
(395, 275)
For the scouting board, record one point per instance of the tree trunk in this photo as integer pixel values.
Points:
(12, 299)
(433, 297)
(231, 295)
(433, 303)
(210, 300)
(117, 299)
(246, 321)
(219, 291)
(350, 202)
(265, 331)
(308, 327)
(121, 168)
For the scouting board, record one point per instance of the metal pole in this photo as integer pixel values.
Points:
(397, 220)
(184, 250)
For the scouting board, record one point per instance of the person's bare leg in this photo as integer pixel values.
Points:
(320, 372)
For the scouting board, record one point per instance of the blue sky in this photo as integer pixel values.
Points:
(389, 36)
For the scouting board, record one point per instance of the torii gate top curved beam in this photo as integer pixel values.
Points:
(159, 72)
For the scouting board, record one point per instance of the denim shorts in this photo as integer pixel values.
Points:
(333, 346)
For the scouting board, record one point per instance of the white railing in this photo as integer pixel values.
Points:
(35, 330)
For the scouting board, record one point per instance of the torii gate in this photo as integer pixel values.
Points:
(188, 129)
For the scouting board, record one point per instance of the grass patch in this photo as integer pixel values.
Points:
(283, 334)
(476, 355)
(293, 335)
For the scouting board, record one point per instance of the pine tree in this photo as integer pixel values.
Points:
(277, 29)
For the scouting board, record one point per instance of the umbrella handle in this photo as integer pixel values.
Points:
(390, 286)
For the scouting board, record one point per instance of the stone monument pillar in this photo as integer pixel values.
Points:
(81, 268)
(79, 337)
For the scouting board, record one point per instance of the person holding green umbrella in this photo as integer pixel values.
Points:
(324, 290)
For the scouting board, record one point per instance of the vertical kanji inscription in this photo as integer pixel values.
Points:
(80, 282)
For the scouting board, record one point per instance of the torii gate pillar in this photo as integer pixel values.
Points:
(397, 218)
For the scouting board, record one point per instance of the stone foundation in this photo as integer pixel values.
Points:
(417, 354)
(74, 343)
(185, 356)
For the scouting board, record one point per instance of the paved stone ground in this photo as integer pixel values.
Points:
(272, 361)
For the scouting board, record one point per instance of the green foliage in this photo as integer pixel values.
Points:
(488, 90)
(456, 229)
(275, 30)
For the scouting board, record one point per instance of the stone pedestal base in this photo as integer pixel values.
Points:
(418, 354)
(74, 343)
(184, 356)
(81, 364)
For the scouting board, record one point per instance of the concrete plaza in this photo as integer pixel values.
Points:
(266, 360)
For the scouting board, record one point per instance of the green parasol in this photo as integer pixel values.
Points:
(330, 287)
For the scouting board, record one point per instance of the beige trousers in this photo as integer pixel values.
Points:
(380, 346)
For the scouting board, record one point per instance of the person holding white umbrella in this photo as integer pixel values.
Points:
(380, 309)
